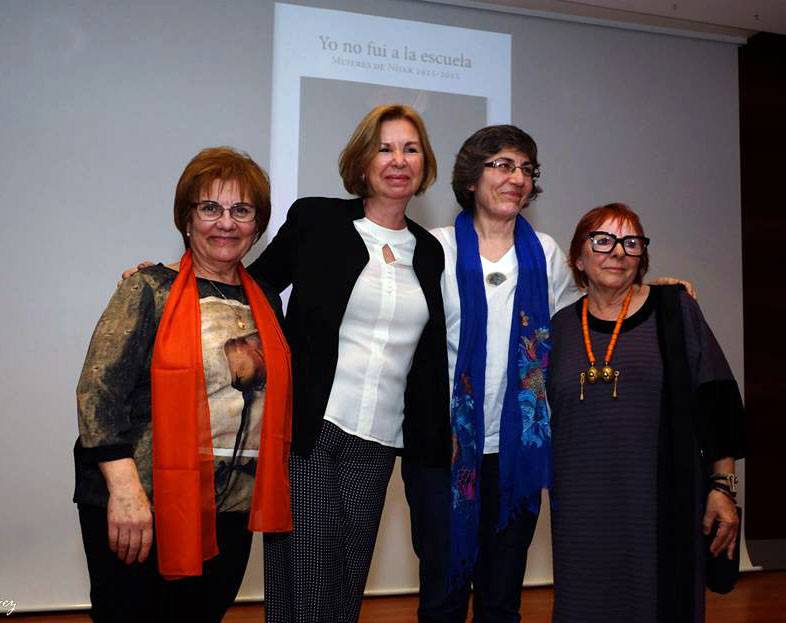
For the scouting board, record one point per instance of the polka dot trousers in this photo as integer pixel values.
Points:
(318, 573)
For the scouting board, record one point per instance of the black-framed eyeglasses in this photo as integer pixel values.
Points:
(238, 212)
(507, 166)
(604, 242)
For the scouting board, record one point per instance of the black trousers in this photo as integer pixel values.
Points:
(502, 555)
(137, 592)
(317, 574)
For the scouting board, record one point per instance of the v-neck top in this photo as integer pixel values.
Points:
(499, 299)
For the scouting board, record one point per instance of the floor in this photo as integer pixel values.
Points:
(760, 597)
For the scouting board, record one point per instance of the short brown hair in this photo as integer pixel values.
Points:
(227, 165)
(363, 145)
(590, 222)
(480, 147)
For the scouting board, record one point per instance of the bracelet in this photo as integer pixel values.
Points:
(730, 480)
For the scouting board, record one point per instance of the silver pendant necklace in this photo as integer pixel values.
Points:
(238, 318)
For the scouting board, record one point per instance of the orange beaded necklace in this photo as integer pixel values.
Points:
(607, 373)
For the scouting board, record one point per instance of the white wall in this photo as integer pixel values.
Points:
(103, 103)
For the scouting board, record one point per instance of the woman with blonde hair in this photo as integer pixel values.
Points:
(367, 330)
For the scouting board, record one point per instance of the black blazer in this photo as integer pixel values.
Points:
(321, 254)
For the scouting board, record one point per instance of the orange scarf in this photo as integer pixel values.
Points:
(183, 468)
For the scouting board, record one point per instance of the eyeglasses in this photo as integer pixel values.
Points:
(604, 242)
(507, 166)
(238, 212)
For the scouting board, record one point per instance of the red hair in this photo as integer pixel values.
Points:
(226, 165)
(593, 219)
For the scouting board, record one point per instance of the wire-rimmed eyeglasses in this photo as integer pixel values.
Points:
(238, 212)
(507, 166)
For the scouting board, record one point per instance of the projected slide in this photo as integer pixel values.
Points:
(331, 67)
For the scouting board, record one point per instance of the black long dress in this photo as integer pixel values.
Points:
(606, 457)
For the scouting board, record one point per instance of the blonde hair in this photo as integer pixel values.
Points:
(363, 146)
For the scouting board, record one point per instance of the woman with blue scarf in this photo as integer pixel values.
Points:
(473, 522)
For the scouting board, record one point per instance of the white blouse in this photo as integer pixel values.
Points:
(562, 292)
(381, 327)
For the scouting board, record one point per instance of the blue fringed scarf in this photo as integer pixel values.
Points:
(525, 432)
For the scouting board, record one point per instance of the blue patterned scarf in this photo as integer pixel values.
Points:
(525, 432)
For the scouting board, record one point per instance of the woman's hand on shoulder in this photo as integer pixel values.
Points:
(670, 281)
(128, 272)
(721, 508)
(128, 513)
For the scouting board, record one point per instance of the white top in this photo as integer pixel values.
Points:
(562, 292)
(381, 327)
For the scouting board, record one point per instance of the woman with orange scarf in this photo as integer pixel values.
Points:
(185, 413)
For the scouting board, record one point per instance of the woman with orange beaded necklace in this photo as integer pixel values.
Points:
(647, 422)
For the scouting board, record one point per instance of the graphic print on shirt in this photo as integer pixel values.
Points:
(235, 380)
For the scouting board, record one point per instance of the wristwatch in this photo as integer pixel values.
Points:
(730, 480)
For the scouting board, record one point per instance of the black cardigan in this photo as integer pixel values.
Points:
(320, 253)
(701, 421)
